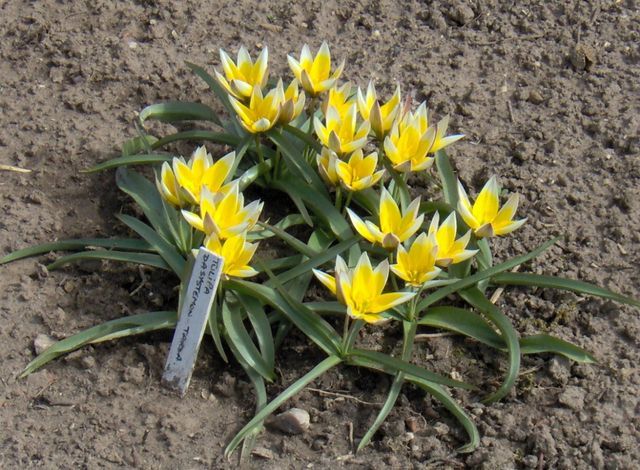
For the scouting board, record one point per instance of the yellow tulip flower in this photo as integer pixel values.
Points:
(242, 77)
(327, 166)
(381, 117)
(407, 146)
(360, 289)
(291, 102)
(341, 133)
(441, 141)
(394, 228)
(224, 215)
(339, 98)
(359, 172)
(418, 265)
(181, 183)
(262, 113)
(314, 74)
(450, 250)
(485, 217)
(236, 252)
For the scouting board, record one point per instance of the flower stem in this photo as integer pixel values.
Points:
(352, 333)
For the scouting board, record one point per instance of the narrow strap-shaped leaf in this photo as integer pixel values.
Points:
(303, 136)
(173, 111)
(485, 261)
(479, 276)
(368, 199)
(296, 163)
(335, 308)
(238, 335)
(580, 287)
(146, 196)
(315, 261)
(167, 251)
(290, 220)
(78, 244)
(543, 343)
(439, 393)
(217, 89)
(290, 240)
(120, 327)
(464, 322)
(261, 327)
(137, 145)
(213, 322)
(499, 319)
(129, 160)
(198, 135)
(397, 365)
(147, 259)
(318, 330)
(447, 178)
(289, 392)
(321, 206)
(279, 264)
(250, 175)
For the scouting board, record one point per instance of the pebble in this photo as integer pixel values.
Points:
(535, 97)
(42, 342)
(582, 57)
(292, 421)
(263, 453)
(573, 397)
(530, 461)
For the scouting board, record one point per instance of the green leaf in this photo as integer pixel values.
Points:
(196, 136)
(318, 330)
(396, 365)
(253, 173)
(121, 327)
(322, 207)
(303, 136)
(499, 319)
(137, 145)
(580, 287)
(147, 259)
(238, 335)
(78, 244)
(485, 261)
(439, 393)
(291, 391)
(293, 156)
(147, 197)
(447, 178)
(390, 401)
(549, 344)
(278, 263)
(213, 321)
(167, 251)
(479, 276)
(290, 240)
(217, 89)
(173, 111)
(335, 308)
(315, 261)
(129, 160)
(464, 322)
(261, 327)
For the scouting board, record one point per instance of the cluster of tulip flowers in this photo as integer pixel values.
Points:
(345, 158)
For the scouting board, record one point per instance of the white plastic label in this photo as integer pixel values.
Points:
(192, 322)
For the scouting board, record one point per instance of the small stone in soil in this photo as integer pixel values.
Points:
(292, 421)
(263, 453)
(573, 397)
(42, 342)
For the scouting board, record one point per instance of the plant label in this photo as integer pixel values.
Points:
(192, 322)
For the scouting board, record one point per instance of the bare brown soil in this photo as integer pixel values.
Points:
(548, 96)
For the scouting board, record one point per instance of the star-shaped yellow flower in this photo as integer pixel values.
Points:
(224, 216)
(450, 250)
(407, 145)
(341, 133)
(242, 77)
(394, 227)
(180, 184)
(381, 117)
(262, 113)
(327, 161)
(236, 252)
(418, 265)
(359, 172)
(360, 289)
(485, 217)
(314, 74)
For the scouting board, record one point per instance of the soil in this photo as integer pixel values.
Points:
(549, 99)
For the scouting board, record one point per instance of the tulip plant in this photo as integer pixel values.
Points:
(345, 159)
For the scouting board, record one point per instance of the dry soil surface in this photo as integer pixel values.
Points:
(547, 94)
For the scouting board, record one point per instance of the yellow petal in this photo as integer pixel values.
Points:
(486, 206)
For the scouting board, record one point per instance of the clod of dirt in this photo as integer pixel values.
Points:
(583, 57)
(263, 453)
(42, 342)
(560, 370)
(461, 14)
(292, 421)
(573, 397)
(535, 97)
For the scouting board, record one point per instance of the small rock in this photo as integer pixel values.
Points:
(42, 342)
(582, 57)
(535, 97)
(560, 369)
(135, 374)
(263, 453)
(292, 421)
(88, 362)
(462, 14)
(441, 429)
(573, 397)
(413, 424)
(530, 461)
